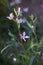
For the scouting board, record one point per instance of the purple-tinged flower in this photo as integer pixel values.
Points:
(19, 20)
(26, 10)
(24, 36)
(12, 4)
(11, 16)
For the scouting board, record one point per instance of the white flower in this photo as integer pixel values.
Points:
(11, 16)
(14, 59)
(24, 36)
(18, 9)
(19, 20)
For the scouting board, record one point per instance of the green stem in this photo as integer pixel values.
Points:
(35, 36)
(19, 34)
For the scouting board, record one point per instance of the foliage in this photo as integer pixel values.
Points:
(19, 44)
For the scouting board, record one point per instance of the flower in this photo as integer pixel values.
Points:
(18, 9)
(12, 4)
(14, 59)
(11, 16)
(19, 20)
(25, 10)
(24, 36)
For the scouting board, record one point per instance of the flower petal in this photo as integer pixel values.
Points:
(25, 9)
(19, 10)
(11, 16)
(24, 39)
(27, 37)
(21, 36)
(8, 17)
(24, 33)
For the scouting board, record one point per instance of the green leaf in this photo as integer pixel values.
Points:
(5, 3)
(10, 34)
(13, 37)
(15, 12)
(5, 48)
(31, 60)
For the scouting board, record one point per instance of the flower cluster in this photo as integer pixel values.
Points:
(18, 20)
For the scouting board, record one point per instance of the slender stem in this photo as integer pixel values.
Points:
(35, 36)
(18, 25)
